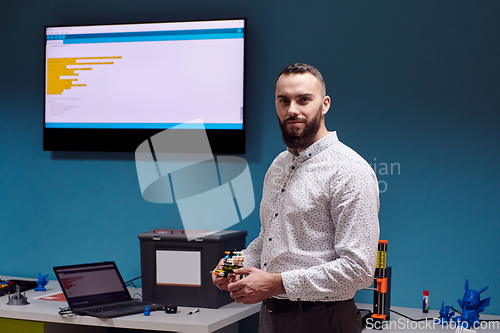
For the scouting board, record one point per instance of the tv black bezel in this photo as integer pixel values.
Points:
(127, 140)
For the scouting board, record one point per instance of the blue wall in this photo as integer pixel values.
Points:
(415, 85)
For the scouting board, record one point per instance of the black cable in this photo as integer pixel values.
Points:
(421, 319)
(131, 281)
(137, 295)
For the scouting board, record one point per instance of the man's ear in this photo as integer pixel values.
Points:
(326, 104)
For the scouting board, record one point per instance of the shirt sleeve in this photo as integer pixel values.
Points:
(253, 252)
(354, 212)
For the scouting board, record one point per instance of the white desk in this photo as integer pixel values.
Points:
(205, 321)
(399, 324)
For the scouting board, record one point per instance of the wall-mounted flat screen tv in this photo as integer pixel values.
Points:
(111, 87)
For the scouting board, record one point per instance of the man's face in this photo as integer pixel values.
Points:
(301, 105)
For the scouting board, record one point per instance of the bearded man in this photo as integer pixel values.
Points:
(319, 221)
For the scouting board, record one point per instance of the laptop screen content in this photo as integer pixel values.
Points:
(89, 285)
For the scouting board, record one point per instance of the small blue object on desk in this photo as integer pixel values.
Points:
(41, 282)
(445, 315)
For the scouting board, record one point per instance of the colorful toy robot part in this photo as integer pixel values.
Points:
(6, 284)
(221, 273)
(471, 305)
(233, 260)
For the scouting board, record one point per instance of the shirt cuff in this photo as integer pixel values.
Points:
(292, 284)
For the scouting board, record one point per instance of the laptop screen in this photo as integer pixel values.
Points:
(91, 284)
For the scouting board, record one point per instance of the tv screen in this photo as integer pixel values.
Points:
(111, 87)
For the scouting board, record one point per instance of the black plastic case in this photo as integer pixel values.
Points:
(211, 247)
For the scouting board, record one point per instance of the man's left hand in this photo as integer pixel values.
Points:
(256, 287)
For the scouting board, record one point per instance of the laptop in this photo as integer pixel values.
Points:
(98, 290)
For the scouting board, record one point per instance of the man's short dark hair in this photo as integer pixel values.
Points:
(301, 68)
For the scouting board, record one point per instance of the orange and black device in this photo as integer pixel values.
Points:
(381, 296)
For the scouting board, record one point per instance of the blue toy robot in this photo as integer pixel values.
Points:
(146, 311)
(41, 282)
(445, 315)
(471, 305)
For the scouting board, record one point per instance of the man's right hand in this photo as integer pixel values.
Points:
(219, 281)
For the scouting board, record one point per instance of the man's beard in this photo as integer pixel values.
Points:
(294, 139)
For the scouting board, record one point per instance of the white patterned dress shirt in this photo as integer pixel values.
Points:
(319, 222)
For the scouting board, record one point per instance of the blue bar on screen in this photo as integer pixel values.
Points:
(128, 39)
(152, 33)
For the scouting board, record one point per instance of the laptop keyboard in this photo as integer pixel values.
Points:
(116, 306)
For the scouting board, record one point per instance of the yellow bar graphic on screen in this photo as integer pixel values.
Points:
(57, 67)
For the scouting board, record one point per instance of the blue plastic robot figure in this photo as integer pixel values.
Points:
(41, 282)
(445, 315)
(471, 305)
(146, 311)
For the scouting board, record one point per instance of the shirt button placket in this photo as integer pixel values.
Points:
(280, 202)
